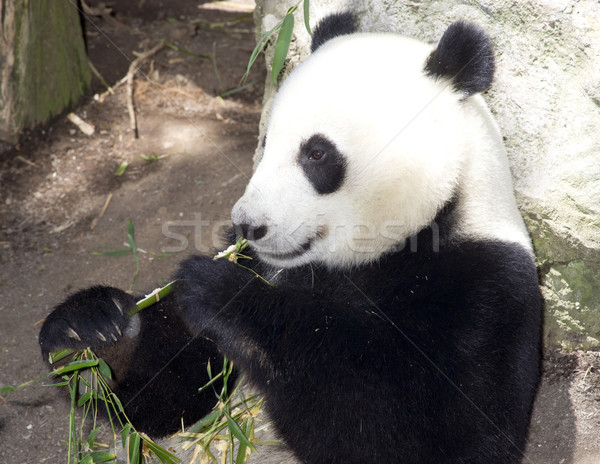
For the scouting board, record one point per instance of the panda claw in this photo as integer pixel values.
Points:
(118, 330)
(114, 337)
(72, 334)
(118, 305)
(100, 336)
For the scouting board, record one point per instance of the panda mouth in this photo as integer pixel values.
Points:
(291, 254)
(296, 253)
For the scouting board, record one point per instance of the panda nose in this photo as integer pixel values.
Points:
(249, 232)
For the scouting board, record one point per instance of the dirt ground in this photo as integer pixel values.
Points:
(60, 201)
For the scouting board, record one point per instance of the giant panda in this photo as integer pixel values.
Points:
(401, 321)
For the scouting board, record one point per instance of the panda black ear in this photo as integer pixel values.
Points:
(465, 56)
(332, 26)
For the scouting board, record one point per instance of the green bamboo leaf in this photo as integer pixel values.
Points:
(241, 454)
(121, 170)
(8, 389)
(130, 235)
(209, 383)
(228, 367)
(59, 384)
(102, 456)
(115, 399)
(259, 48)
(282, 45)
(150, 159)
(165, 456)
(84, 398)
(125, 433)
(115, 253)
(92, 436)
(237, 432)
(253, 56)
(85, 382)
(104, 369)
(134, 448)
(75, 366)
(87, 459)
(204, 422)
(185, 51)
(227, 94)
(58, 355)
(306, 16)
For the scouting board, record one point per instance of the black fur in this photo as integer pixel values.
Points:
(465, 56)
(157, 374)
(97, 313)
(323, 165)
(332, 26)
(425, 357)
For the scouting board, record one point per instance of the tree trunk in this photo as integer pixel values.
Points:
(43, 63)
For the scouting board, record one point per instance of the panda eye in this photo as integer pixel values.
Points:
(323, 164)
(316, 155)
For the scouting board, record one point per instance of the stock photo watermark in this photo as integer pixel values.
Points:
(207, 235)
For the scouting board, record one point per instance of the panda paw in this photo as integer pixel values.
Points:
(93, 318)
(205, 287)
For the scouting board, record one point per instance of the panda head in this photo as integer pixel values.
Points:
(365, 144)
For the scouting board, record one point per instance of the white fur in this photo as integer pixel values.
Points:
(410, 142)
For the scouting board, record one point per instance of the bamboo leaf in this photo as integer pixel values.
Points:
(92, 436)
(84, 398)
(134, 448)
(165, 456)
(8, 389)
(117, 401)
(241, 454)
(151, 158)
(259, 48)
(87, 459)
(115, 253)
(130, 235)
(101, 456)
(306, 16)
(209, 383)
(204, 422)
(231, 92)
(253, 56)
(237, 432)
(121, 170)
(104, 369)
(125, 433)
(75, 366)
(59, 384)
(185, 51)
(58, 355)
(209, 369)
(282, 45)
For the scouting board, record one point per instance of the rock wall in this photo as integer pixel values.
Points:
(546, 98)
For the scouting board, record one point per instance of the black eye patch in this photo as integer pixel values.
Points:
(323, 165)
